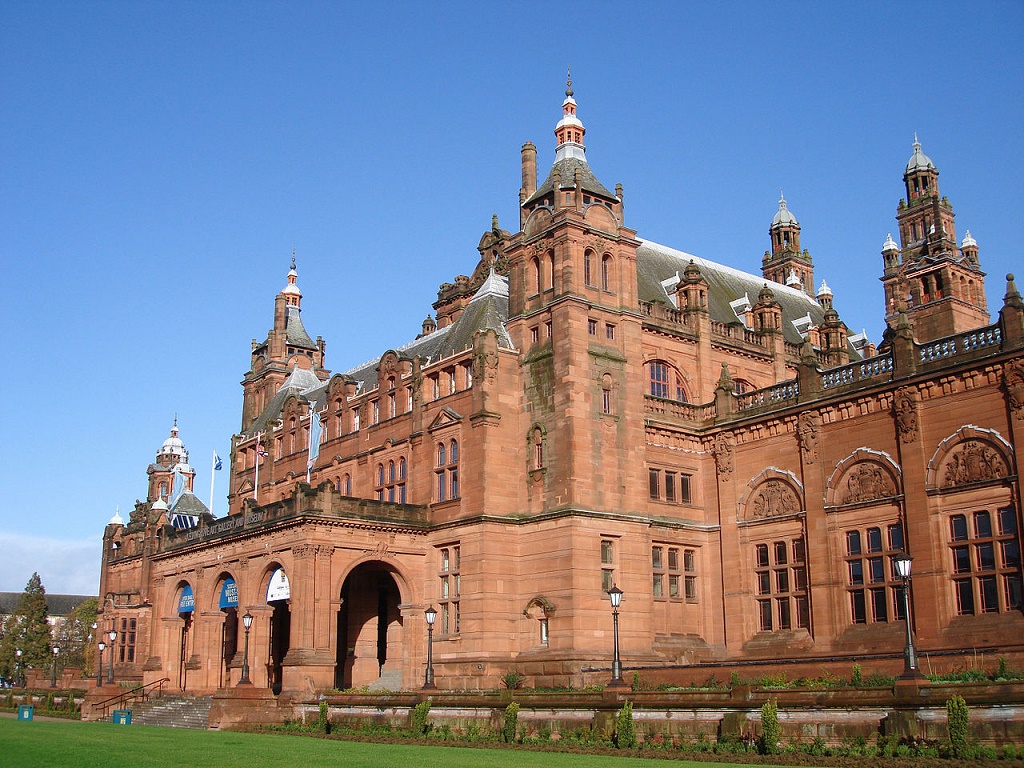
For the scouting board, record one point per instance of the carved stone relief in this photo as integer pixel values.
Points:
(866, 481)
(773, 498)
(808, 425)
(723, 455)
(974, 461)
(905, 412)
(1014, 383)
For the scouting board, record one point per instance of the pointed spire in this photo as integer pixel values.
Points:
(569, 131)
(889, 244)
(1012, 297)
(291, 290)
(784, 217)
(116, 519)
(919, 161)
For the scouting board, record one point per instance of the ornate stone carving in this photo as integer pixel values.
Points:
(382, 550)
(1013, 380)
(807, 428)
(905, 412)
(722, 450)
(324, 551)
(772, 499)
(303, 551)
(866, 481)
(975, 461)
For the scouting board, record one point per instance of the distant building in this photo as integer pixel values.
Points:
(58, 607)
(588, 409)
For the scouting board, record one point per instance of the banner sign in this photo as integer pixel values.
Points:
(229, 594)
(187, 601)
(278, 589)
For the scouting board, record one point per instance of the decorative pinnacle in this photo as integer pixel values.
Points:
(568, 81)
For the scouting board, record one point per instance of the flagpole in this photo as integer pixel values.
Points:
(256, 485)
(213, 474)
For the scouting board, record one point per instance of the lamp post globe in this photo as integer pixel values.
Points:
(247, 623)
(99, 667)
(902, 564)
(18, 667)
(431, 616)
(112, 634)
(53, 669)
(615, 598)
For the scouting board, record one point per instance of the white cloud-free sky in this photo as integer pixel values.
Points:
(160, 161)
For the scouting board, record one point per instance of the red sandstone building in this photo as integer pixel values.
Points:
(591, 409)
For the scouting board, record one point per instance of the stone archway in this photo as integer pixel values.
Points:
(370, 631)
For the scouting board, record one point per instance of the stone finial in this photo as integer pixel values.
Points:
(1012, 297)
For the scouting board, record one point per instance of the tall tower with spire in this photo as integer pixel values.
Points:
(785, 262)
(573, 311)
(939, 285)
(171, 460)
(286, 347)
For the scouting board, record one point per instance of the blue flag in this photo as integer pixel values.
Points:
(217, 463)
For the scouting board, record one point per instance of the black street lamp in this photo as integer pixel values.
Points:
(431, 616)
(615, 596)
(53, 669)
(99, 666)
(247, 623)
(112, 634)
(902, 563)
(21, 679)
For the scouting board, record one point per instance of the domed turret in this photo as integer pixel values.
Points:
(919, 161)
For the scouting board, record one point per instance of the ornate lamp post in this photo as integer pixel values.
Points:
(21, 677)
(902, 564)
(431, 616)
(615, 597)
(247, 623)
(99, 666)
(112, 634)
(53, 669)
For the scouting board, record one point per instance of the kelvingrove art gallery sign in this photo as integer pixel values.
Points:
(221, 527)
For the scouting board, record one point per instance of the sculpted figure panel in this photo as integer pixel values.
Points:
(974, 461)
(773, 498)
(866, 481)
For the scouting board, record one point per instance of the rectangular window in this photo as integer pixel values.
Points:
(985, 561)
(670, 486)
(534, 335)
(607, 565)
(609, 331)
(654, 483)
(673, 488)
(449, 588)
(684, 489)
(871, 605)
(592, 327)
(780, 579)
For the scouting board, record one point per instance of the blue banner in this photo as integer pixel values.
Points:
(229, 594)
(187, 601)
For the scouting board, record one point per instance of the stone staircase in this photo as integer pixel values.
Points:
(174, 712)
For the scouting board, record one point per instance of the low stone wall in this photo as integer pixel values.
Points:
(909, 710)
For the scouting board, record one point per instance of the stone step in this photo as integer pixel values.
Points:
(174, 712)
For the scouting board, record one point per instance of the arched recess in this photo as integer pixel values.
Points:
(371, 648)
(772, 493)
(538, 612)
(865, 475)
(276, 590)
(970, 455)
(225, 597)
(665, 381)
(184, 605)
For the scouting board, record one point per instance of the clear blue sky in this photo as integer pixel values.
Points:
(160, 161)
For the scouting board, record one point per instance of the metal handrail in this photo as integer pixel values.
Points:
(143, 692)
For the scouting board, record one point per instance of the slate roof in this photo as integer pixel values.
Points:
(487, 310)
(567, 166)
(655, 263)
(295, 332)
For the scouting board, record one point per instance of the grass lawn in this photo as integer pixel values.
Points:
(39, 744)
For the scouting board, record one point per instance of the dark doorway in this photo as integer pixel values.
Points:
(280, 630)
(186, 625)
(229, 644)
(369, 635)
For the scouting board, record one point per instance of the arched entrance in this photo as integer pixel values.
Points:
(278, 594)
(228, 604)
(369, 630)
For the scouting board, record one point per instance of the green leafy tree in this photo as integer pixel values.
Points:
(75, 637)
(958, 717)
(769, 744)
(32, 633)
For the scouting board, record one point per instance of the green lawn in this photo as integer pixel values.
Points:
(39, 744)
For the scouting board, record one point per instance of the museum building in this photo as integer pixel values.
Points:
(590, 410)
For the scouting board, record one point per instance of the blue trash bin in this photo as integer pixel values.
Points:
(25, 711)
(123, 716)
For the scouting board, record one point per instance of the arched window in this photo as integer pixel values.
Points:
(391, 471)
(606, 273)
(440, 455)
(446, 473)
(551, 269)
(535, 276)
(380, 474)
(665, 382)
(401, 468)
(346, 485)
(537, 443)
(588, 268)
(454, 452)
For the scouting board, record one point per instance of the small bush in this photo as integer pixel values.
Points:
(625, 730)
(510, 723)
(636, 682)
(419, 718)
(957, 717)
(734, 678)
(857, 678)
(322, 725)
(769, 728)
(512, 680)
